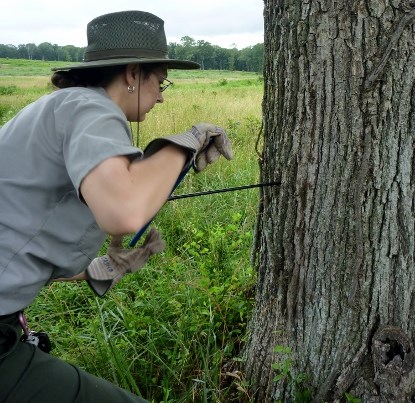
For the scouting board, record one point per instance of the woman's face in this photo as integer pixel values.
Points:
(150, 93)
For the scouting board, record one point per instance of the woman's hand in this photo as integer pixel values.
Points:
(205, 143)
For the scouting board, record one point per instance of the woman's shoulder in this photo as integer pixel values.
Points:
(75, 97)
(80, 92)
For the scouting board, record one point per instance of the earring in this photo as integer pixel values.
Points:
(131, 89)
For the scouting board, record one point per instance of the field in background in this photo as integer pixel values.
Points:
(172, 332)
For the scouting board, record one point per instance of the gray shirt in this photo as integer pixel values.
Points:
(46, 150)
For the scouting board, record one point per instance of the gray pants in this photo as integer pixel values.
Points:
(30, 375)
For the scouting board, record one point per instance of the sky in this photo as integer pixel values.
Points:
(226, 23)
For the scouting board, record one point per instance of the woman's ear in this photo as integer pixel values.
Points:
(131, 73)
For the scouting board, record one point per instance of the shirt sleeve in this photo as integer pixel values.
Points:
(93, 130)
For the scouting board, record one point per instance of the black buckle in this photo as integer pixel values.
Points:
(39, 339)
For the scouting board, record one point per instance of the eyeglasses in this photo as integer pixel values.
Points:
(165, 84)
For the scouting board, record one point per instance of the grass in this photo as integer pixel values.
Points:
(25, 67)
(172, 332)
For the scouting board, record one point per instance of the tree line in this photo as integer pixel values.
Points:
(210, 57)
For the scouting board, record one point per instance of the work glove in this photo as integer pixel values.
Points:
(106, 271)
(205, 143)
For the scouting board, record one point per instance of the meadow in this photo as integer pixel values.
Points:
(174, 331)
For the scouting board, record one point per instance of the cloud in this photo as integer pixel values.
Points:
(219, 22)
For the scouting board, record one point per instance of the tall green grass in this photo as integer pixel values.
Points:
(173, 331)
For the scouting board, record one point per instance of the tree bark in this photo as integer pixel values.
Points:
(335, 243)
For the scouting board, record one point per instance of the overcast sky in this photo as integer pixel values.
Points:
(220, 22)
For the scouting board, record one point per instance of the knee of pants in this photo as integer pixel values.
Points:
(34, 376)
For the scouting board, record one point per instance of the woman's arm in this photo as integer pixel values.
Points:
(124, 196)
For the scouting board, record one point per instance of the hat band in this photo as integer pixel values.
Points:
(93, 56)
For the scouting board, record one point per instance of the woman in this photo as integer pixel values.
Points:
(70, 175)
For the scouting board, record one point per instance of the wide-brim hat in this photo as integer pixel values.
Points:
(127, 37)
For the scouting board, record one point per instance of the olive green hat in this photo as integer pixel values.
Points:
(127, 37)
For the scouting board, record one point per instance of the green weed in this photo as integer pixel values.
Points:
(351, 399)
(285, 373)
(167, 331)
(8, 90)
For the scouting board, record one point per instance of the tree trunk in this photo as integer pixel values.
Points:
(335, 243)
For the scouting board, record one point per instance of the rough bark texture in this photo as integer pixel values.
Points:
(336, 241)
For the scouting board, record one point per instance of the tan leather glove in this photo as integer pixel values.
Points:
(106, 271)
(205, 142)
(214, 143)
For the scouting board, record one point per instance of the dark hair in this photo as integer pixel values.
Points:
(95, 76)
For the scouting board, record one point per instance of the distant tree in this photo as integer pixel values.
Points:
(171, 49)
(73, 54)
(22, 52)
(31, 50)
(257, 56)
(251, 58)
(9, 51)
(221, 56)
(186, 49)
(187, 41)
(45, 51)
(205, 54)
(232, 58)
(209, 56)
(59, 53)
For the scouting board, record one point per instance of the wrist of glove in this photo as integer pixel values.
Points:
(104, 272)
(205, 143)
